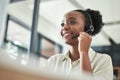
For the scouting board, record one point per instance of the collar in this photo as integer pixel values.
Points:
(91, 55)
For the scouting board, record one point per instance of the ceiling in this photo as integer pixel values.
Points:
(51, 12)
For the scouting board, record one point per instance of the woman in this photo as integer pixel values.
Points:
(77, 28)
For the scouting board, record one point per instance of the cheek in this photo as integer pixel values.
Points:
(79, 29)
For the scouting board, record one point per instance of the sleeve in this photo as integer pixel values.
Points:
(105, 69)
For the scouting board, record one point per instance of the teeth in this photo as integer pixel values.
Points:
(66, 34)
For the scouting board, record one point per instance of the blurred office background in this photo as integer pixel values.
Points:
(32, 27)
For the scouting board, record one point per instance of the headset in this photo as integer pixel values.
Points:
(89, 28)
(89, 25)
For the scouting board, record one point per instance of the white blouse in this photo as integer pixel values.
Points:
(101, 65)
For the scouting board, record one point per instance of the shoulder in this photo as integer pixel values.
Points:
(103, 56)
(102, 66)
(102, 59)
(96, 57)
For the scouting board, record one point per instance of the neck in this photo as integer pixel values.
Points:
(74, 54)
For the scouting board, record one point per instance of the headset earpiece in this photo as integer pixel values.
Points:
(89, 26)
(90, 30)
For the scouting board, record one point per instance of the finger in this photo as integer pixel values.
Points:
(84, 37)
(84, 33)
(81, 37)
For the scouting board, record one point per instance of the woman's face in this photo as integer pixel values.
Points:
(73, 23)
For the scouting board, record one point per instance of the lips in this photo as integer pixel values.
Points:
(66, 34)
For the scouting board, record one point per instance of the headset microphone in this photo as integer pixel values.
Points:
(89, 25)
(75, 36)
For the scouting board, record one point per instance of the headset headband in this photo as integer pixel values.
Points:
(89, 24)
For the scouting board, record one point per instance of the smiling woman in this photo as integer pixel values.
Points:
(77, 29)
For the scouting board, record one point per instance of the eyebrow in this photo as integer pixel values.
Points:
(70, 18)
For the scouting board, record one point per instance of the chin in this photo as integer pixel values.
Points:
(71, 42)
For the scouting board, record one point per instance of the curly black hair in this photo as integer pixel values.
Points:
(96, 19)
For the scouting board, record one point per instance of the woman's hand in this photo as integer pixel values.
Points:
(83, 48)
(84, 40)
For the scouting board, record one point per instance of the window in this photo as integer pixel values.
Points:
(17, 41)
(18, 34)
(49, 48)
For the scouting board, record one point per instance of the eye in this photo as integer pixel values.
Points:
(71, 22)
(62, 24)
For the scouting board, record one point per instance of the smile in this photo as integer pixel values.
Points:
(66, 35)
